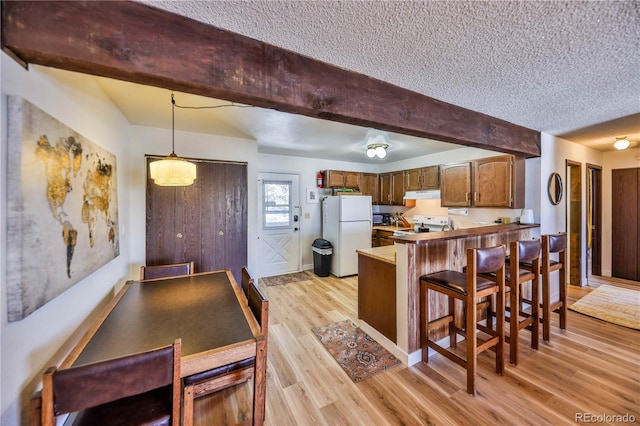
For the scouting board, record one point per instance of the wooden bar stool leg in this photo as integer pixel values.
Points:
(563, 292)
(453, 335)
(472, 343)
(424, 321)
(546, 303)
(535, 308)
(514, 321)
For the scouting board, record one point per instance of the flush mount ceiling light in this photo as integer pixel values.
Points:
(621, 143)
(172, 170)
(376, 144)
(377, 149)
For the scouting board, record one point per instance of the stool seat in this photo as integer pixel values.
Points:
(456, 281)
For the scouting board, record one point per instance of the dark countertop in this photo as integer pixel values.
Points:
(426, 237)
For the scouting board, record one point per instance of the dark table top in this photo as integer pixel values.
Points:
(203, 310)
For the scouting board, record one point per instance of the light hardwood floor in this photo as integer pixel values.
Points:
(593, 367)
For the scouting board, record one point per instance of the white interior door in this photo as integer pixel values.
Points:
(279, 223)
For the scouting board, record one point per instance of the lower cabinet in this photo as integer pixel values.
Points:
(377, 295)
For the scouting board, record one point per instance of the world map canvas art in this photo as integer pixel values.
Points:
(63, 208)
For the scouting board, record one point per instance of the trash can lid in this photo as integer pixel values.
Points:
(321, 243)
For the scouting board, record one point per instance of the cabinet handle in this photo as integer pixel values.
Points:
(475, 196)
(466, 196)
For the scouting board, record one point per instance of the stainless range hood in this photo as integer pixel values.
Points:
(422, 195)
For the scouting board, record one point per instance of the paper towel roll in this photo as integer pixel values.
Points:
(459, 212)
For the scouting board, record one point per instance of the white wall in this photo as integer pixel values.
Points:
(45, 336)
(555, 153)
(626, 159)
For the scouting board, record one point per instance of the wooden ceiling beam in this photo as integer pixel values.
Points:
(141, 44)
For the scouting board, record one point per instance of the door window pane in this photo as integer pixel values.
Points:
(276, 204)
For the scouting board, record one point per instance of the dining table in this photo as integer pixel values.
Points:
(208, 311)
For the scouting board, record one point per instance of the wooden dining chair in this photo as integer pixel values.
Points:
(469, 288)
(207, 382)
(246, 280)
(163, 271)
(138, 389)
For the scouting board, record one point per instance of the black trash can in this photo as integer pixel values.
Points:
(322, 254)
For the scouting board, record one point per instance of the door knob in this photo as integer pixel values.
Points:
(179, 235)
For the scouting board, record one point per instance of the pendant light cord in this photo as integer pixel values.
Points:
(173, 125)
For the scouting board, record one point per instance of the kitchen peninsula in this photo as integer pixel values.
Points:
(389, 309)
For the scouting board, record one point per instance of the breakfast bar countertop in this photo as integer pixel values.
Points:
(426, 237)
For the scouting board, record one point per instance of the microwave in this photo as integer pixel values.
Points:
(381, 219)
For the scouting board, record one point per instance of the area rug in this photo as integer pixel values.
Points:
(357, 353)
(616, 305)
(284, 279)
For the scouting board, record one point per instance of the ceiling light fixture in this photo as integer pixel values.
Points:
(377, 149)
(621, 143)
(172, 170)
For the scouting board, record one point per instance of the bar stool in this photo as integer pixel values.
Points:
(552, 243)
(468, 288)
(521, 252)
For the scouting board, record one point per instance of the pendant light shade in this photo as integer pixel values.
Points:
(172, 170)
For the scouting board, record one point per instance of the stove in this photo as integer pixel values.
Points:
(423, 223)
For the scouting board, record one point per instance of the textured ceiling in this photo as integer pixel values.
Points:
(561, 67)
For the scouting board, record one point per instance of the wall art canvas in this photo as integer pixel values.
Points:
(62, 208)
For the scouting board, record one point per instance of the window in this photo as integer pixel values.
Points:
(276, 204)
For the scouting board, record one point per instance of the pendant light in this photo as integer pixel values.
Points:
(172, 170)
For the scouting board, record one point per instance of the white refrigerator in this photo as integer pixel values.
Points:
(346, 223)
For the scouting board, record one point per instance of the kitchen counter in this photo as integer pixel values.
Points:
(426, 237)
(390, 228)
(383, 253)
(389, 280)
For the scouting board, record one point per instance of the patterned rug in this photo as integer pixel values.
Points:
(357, 353)
(284, 279)
(616, 305)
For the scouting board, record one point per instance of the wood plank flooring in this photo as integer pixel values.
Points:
(591, 368)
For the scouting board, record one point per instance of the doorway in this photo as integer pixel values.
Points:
(278, 223)
(594, 219)
(574, 221)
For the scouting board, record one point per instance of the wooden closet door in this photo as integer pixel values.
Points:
(625, 235)
(205, 222)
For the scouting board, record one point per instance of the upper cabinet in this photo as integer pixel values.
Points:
(392, 188)
(422, 179)
(341, 179)
(487, 182)
(369, 186)
(455, 185)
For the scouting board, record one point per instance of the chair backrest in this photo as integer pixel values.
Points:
(163, 271)
(246, 280)
(528, 250)
(489, 259)
(79, 388)
(557, 242)
(259, 306)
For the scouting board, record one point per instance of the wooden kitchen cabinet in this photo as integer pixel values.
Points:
(384, 238)
(377, 295)
(486, 182)
(341, 179)
(421, 179)
(369, 186)
(392, 188)
(455, 185)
